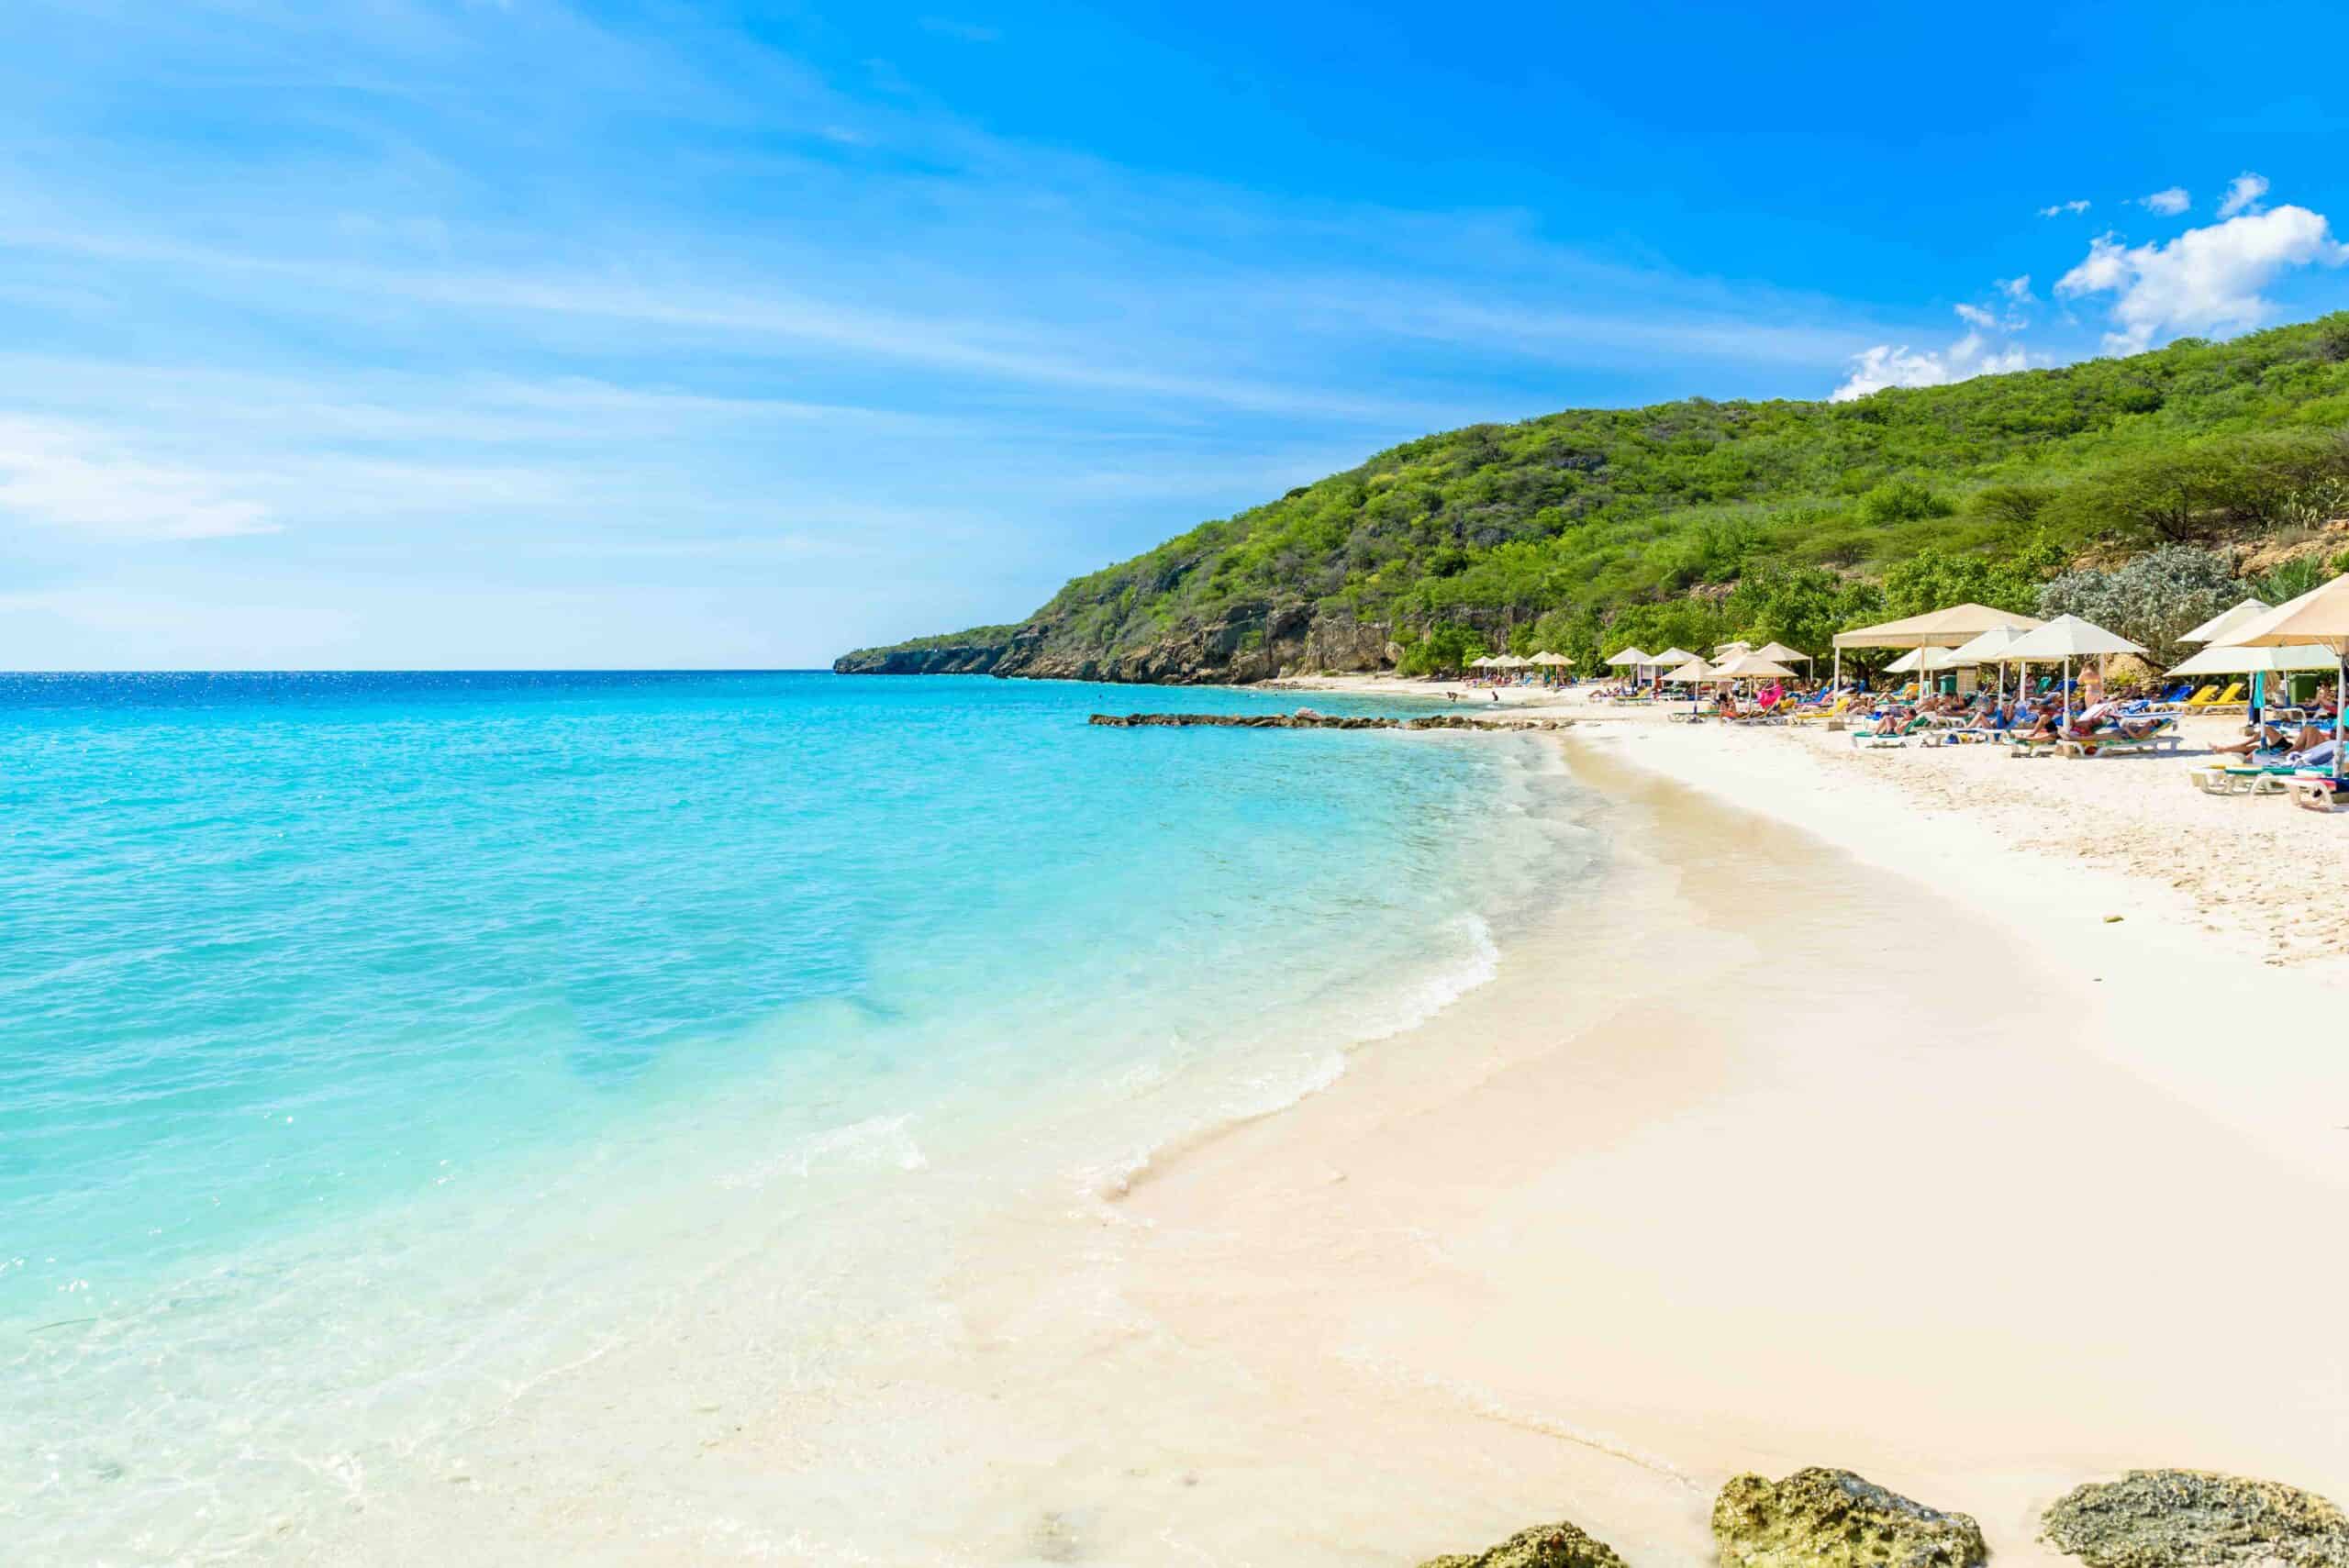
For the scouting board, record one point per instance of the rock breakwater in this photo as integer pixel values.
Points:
(1315, 721)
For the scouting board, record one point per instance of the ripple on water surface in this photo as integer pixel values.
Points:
(379, 1044)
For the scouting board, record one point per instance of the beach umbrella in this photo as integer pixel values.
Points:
(1730, 650)
(2068, 638)
(2256, 661)
(1480, 662)
(2215, 629)
(1923, 661)
(1672, 658)
(1781, 652)
(1749, 667)
(1940, 629)
(1990, 647)
(1546, 657)
(1929, 661)
(1626, 659)
(1693, 675)
(2319, 617)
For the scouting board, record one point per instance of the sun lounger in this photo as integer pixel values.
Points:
(2236, 780)
(2232, 699)
(2316, 792)
(1888, 738)
(1820, 714)
(2163, 738)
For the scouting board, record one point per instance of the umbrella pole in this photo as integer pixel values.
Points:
(1837, 679)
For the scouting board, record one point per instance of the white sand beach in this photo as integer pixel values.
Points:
(1980, 1130)
(1849, 1128)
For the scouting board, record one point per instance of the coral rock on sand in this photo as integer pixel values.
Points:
(1833, 1518)
(1543, 1546)
(2191, 1519)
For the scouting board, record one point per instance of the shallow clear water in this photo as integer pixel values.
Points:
(374, 1046)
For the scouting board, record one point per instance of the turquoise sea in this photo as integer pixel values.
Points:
(376, 1048)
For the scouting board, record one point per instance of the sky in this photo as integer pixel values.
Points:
(401, 334)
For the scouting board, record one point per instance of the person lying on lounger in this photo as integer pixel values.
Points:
(2273, 742)
(2131, 727)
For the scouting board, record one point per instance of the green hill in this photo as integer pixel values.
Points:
(1693, 522)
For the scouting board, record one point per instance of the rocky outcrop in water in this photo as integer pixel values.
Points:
(1833, 1518)
(1314, 721)
(1545, 1546)
(2191, 1519)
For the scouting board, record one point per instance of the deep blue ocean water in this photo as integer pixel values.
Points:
(296, 970)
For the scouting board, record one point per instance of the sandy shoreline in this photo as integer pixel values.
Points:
(1841, 1128)
(1941, 1174)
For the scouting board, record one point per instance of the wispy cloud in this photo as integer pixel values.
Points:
(2064, 209)
(63, 475)
(2168, 203)
(2243, 194)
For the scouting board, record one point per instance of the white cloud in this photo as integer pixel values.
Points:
(71, 476)
(2062, 209)
(1887, 365)
(1975, 316)
(2243, 194)
(2205, 280)
(2018, 289)
(2169, 202)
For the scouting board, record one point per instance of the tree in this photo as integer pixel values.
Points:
(1934, 580)
(2155, 599)
(1802, 606)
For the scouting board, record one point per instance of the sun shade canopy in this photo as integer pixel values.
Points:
(1749, 667)
(2215, 629)
(2321, 615)
(1990, 647)
(2069, 637)
(2257, 661)
(1932, 660)
(1942, 628)
(1781, 652)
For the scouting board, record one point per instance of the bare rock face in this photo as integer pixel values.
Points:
(1833, 1518)
(1252, 641)
(2191, 1519)
(1543, 1546)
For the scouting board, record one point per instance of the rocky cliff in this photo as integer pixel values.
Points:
(1249, 642)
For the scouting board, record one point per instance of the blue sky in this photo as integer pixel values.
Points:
(411, 334)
